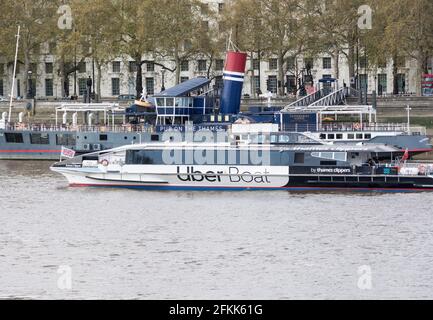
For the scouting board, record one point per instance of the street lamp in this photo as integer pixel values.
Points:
(408, 109)
(29, 85)
(163, 79)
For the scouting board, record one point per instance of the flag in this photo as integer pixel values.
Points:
(67, 153)
(406, 155)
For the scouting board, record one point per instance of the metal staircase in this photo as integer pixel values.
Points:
(307, 100)
(333, 99)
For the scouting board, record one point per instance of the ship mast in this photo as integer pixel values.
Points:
(14, 74)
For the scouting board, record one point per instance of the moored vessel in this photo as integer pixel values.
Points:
(240, 165)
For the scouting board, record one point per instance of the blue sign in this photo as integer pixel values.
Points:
(194, 128)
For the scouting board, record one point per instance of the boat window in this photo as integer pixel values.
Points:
(274, 139)
(144, 157)
(299, 158)
(359, 136)
(160, 102)
(351, 136)
(323, 136)
(103, 137)
(339, 156)
(331, 136)
(169, 102)
(284, 139)
(14, 137)
(339, 136)
(64, 139)
(154, 137)
(39, 138)
(328, 163)
(367, 136)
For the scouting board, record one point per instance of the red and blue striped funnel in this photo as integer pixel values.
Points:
(234, 73)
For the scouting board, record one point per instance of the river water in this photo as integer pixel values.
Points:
(63, 243)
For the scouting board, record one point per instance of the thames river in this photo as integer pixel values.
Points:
(62, 243)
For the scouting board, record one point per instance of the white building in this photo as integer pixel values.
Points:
(118, 77)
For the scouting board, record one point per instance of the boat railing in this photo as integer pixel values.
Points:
(412, 168)
(373, 127)
(81, 128)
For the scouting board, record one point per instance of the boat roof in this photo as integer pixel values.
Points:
(184, 88)
(374, 148)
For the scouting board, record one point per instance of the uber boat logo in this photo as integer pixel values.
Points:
(234, 176)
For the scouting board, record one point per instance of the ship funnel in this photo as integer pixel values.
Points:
(234, 73)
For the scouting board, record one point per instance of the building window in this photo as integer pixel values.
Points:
(52, 46)
(363, 62)
(1, 88)
(327, 63)
(2, 69)
(18, 68)
(183, 79)
(256, 83)
(132, 66)
(184, 65)
(273, 64)
(219, 82)
(150, 86)
(309, 63)
(382, 63)
(49, 90)
(291, 63)
(115, 86)
(82, 86)
(48, 67)
(401, 83)
(39, 138)
(150, 67)
(256, 64)
(204, 8)
(14, 137)
(82, 67)
(382, 83)
(363, 80)
(219, 65)
(116, 66)
(33, 68)
(272, 84)
(202, 65)
(291, 84)
(205, 26)
(401, 62)
(220, 7)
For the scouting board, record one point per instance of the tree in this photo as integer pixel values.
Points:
(336, 27)
(138, 33)
(96, 25)
(37, 19)
(242, 21)
(409, 32)
(180, 28)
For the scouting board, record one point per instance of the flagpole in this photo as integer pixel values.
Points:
(14, 73)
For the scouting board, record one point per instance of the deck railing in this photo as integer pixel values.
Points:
(81, 128)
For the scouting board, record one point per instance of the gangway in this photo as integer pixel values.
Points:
(307, 100)
(336, 98)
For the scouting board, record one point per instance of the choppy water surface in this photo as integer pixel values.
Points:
(208, 245)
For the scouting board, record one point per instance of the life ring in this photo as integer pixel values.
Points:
(357, 126)
(105, 163)
(422, 169)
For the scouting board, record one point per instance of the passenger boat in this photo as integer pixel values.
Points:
(248, 165)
